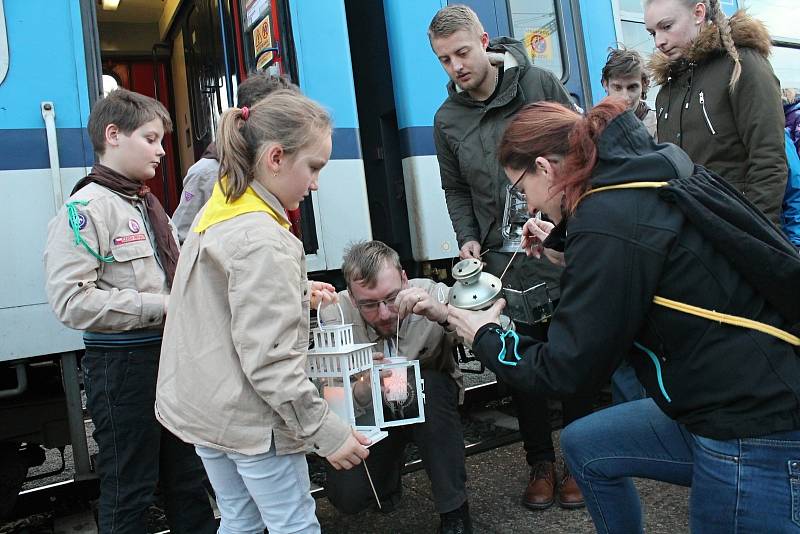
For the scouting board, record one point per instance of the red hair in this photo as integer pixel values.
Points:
(549, 129)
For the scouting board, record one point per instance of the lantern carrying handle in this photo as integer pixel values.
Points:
(319, 314)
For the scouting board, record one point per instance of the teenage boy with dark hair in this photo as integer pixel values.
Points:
(110, 260)
(625, 76)
(200, 178)
(483, 94)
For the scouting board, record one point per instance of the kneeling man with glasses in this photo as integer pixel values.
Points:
(406, 318)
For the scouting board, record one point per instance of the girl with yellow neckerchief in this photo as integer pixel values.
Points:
(232, 376)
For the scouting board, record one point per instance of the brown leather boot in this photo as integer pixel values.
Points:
(569, 494)
(541, 486)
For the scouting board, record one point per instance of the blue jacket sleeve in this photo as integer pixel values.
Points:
(790, 217)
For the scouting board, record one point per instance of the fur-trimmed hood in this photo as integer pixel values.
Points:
(747, 32)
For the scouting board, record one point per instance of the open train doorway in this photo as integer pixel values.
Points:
(133, 56)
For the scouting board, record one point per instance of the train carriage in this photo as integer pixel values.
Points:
(368, 61)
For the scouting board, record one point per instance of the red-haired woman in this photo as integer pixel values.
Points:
(724, 409)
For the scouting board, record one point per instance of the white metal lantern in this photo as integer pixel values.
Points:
(400, 390)
(342, 372)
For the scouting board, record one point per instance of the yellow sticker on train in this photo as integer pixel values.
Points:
(262, 39)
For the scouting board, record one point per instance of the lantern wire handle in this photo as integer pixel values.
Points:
(397, 337)
(371, 485)
(319, 314)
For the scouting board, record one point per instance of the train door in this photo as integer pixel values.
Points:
(264, 44)
(132, 55)
(380, 139)
(149, 77)
(308, 41)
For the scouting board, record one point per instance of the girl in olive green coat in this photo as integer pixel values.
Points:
(719, 99)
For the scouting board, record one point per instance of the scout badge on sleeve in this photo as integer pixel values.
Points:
(77, 222)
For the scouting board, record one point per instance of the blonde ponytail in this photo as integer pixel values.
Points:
(234, 155)
(284, 117)
(721, 21)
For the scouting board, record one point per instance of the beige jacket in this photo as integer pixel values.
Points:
(232, 373)
(88, 294)
(420, 339)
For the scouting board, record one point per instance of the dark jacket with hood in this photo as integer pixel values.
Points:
(623, 247)
(738, 134)
(467, 134)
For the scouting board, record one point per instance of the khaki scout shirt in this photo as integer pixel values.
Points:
(420, 339)
(88, 294)
(232, 372)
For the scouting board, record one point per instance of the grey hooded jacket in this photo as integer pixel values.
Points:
(467, 134)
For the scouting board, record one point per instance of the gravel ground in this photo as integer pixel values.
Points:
(495, 483)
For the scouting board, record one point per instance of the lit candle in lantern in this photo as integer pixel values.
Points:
(334, 396)
(395, 387)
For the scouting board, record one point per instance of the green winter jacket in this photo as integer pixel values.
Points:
(739, 134)
(467, 134)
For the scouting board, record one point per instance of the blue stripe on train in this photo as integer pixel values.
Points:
(27, 148)
(417, 141)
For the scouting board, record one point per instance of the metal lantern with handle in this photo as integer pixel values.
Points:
(342, 372)
(476, 289)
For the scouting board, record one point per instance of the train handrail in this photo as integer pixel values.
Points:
(49, 116)
(4, 58)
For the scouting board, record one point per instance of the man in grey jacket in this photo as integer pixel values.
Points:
(489, 82)
(201, 177)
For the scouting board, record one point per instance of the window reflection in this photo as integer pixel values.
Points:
(534, 23)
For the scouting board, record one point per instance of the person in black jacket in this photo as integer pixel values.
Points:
(723, 413)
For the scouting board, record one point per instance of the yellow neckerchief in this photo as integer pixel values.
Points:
(219, 209)
(683, 307)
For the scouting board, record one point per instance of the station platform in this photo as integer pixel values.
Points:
(496, 480)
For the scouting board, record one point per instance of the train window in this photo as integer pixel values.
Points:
(632, 34)
(266, 36)
(777, 16)
(535, 23)
(630, 5)
(635, 37)
(786, 63)
(785, 57)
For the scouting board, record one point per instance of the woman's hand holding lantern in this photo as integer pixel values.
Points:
(467, 323)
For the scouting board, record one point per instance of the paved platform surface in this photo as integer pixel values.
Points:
(495, 483)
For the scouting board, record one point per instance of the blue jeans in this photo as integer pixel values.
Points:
(738, 485)
(261, 490)
(136, 454)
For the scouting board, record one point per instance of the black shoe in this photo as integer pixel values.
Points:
(390, 503)
(457, 521)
